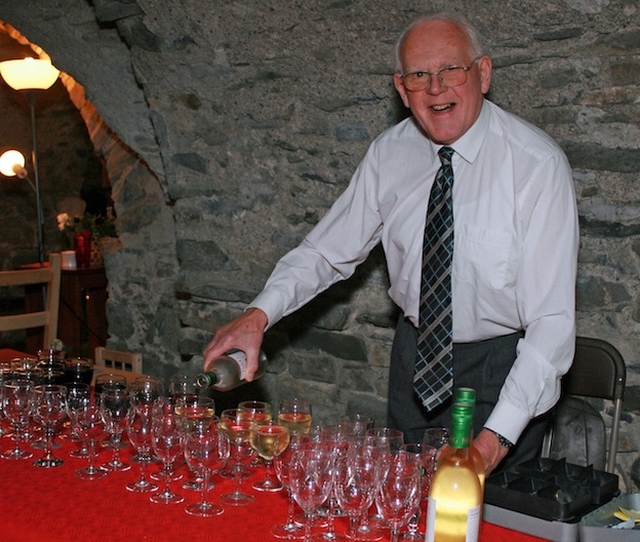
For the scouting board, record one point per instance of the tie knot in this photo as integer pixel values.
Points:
(445, 154)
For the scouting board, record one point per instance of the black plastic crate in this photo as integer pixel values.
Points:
(551, 489)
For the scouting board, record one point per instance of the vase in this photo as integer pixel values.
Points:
(82, 246)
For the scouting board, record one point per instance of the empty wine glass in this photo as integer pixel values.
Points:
(426, 459)
(399, 494)
(194, 413)
(259, 412)
(145, 390)
(269, 439)
(48, 409)
(16, 405)
(206, 451)
(355, 424)
(237, 427)
(181, 386)
(115, 404)
(166, 443)
(109, 380)
(138, 424)
(91, 431)
(77, 393)
(310, 477)
(356, 480)
(290, 529)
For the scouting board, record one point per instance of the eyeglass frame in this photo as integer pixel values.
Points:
(431, 75)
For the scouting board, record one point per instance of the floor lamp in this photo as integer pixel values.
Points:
(30, 75)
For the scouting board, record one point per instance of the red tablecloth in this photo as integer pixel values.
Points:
(51, 505)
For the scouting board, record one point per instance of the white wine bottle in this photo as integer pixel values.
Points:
(467, 395)
(454, 507)
(228, 371)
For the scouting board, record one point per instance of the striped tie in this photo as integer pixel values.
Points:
(433, 377)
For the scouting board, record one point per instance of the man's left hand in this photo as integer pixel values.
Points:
(490, 450)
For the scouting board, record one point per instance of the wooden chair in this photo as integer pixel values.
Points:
(130, 362)
(577, 429)
(49, 277)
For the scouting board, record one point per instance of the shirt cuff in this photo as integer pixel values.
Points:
(508, 421)
(271, 304)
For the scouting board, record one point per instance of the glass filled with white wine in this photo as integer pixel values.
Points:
(269, 440)
(295, 413)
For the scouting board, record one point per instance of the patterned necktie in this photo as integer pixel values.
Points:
(433, 377)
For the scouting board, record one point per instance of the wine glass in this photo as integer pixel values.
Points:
(259, 412)
(290, 529)
(78, 370)
(427, 461)
(138, 424)
(237, 427)
(194, 412)
(269, 439)
(310, 478)
(166, 443)
(48, 409)
(355, 424)
(109, 380)
(399, 494)
(16, 405)
(115, 404)
(77, 392)
(145, 390)
(295, 413)
(91, 431)
(206, 452)
(181, 386)
(356, 480)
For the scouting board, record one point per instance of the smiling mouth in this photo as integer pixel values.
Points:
(442, 107)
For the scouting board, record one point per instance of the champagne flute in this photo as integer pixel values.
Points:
(399, 494)
(16, 405)
(48, 409)
(237, 427)
(206, 452)
(138, 424)
(166, 443)
(91, 430)
(310, 478)
(269, 440)
(295, 413)
(115, 404)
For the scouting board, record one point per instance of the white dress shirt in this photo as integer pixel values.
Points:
(515, 246)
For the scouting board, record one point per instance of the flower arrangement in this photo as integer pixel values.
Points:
(97, 226)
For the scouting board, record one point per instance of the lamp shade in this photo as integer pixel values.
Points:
(29, 73)
(12, 163)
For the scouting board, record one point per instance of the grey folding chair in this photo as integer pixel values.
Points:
(577, 429)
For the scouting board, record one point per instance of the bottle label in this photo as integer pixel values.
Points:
(473, 522)
(241, 359)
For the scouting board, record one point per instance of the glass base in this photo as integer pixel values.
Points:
(116, 466)
(17, 454)
(204, 510)
(166, 498)
(142, 486)
(80, 453)
(90, 473)
(48, 462)
(288, 531)
(229, 473)
(236, 499)
(268, 486)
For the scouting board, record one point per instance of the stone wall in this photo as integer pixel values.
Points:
(239, 122)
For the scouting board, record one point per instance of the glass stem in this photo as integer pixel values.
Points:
(237, 478)
(115, 442)
(290, 508)
(205, 486)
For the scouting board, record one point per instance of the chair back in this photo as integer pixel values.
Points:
(117, 359)
(599, 371)
(49, 278)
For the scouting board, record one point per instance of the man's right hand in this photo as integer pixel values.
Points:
(244, 333)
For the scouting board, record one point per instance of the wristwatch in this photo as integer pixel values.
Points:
(504, 442)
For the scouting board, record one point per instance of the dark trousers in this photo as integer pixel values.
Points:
(482, 365)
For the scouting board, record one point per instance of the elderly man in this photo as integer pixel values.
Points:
(502, 191)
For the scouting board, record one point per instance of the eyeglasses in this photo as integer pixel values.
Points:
(451, 76)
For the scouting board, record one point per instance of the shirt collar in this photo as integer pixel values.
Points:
(468, 146)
